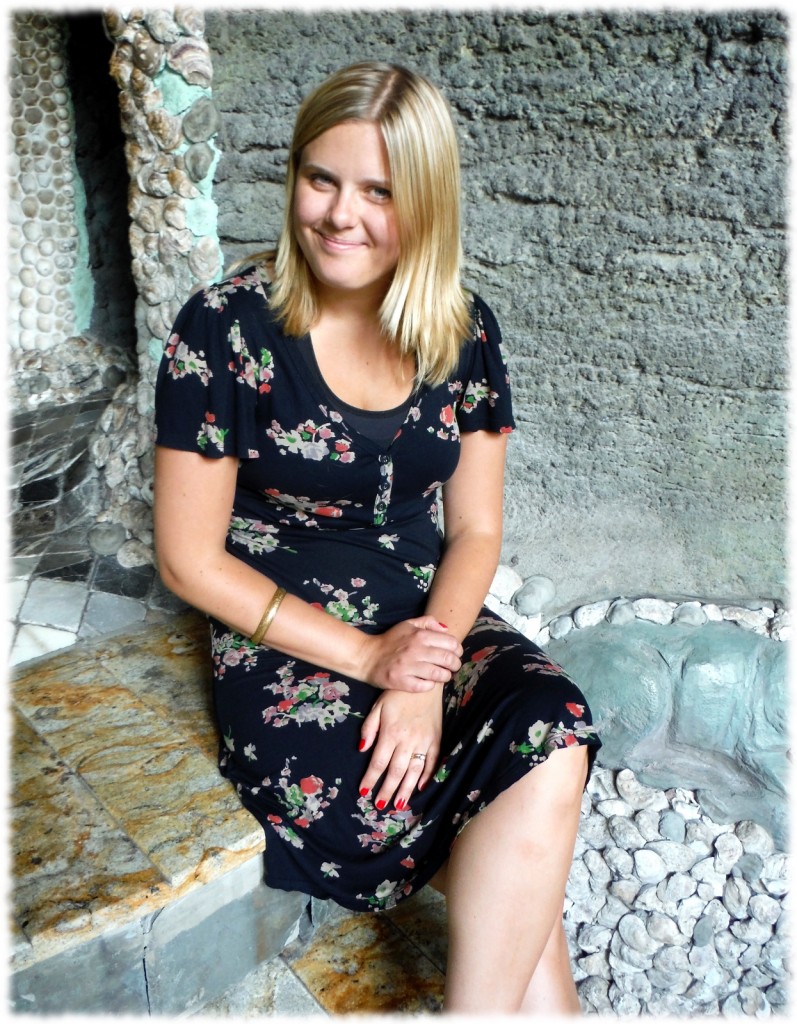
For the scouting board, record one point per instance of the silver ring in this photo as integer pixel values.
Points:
(421, 757)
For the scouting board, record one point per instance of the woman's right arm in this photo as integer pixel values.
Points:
(193, 502)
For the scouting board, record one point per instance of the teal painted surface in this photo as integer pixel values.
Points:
(696, 707)
(177, 94)
(82, 284)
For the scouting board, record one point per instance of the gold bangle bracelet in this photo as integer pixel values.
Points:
(268, 615)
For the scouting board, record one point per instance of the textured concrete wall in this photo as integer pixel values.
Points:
(624, 179)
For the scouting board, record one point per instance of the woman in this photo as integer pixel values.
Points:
(309, 409)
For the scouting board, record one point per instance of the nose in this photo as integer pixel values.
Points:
(341, 211)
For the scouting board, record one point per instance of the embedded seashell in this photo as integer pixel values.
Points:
(121, 64)
(114, 23)
(174, 213)
(140, 150)
(205, 260)
(173, 244)
(198, 160)
(162, 26)
(190, 20)
(144, 246)
(202, 121)
(140, 83)
(190, 58)
(146, 212)
(151, 99)
(147, 54)
(166, 128)
(154, 181)
(182, 184)
(157, 289)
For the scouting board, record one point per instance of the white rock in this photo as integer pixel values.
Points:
(610, 808)
(560, 626)
(636, 984)
(593, 938)
(594, 965)
(588, 908)
(594, 831)
(764, 908)
(688, 809)
(654, 610)
(620, 862)
(590, 614)
(676, 856)
(671, 958)
(624, 1004)
(534, 595)
(713, 612)
(676, 982)
(625, 833)
(597, 868)
(529, 626)
(624, 958)
(690, 613)
(506, 583)
(736, 896)
(780, 626)
(648, 821)
(703, 871)
(542, 638)
(751, 931)
(664, 930)
(754, 1002)
(577, 887)
(601, 784)
(594, 992)
(718, 915)
(625, 889)
(748, 618)
(676, 888)
(728, 849)
(611, 912)
(636, 793)
(755, 838)
(648, 899)
(621, 612)
(649, 866)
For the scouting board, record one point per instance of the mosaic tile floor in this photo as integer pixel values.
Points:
(61, 591)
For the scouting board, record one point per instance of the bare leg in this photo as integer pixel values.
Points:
(504, 885)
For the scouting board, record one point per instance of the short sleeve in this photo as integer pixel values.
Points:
(208, 382)
(485, 402)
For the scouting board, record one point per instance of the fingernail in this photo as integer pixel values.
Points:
(421, 785)
(380, 805)
(400, 805)
(362, 744)
(365, 791)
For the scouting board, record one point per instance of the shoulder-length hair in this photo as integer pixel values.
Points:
(426, 311)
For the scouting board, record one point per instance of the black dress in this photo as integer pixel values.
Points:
(351, 524)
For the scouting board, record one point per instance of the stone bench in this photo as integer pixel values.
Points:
(131, 855)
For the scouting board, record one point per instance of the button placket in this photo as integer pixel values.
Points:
(384, 489)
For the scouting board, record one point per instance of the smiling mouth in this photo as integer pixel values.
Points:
(341, 244)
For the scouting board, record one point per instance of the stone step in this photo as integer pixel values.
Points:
(128, 848)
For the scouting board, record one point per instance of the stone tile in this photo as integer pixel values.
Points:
(112, 578)
(270, 990)
(17, 590)
(35, 641)
(361, 963)
(424, 921)
(54, 603)
(106, 613)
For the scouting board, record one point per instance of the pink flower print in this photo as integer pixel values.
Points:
(331, 691)
(447, 415)
(275, 819)
(570, 740)
(347, 457)
(357, 582)
(233, 656)
(408, 862)
(506, 430)
(301, 822)
(285, 705)
(577, 710)
(342, 446)
(311, 784)
(482, 654)
(329, 511)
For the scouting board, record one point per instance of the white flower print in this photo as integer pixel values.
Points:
(182, 361)
(388, 541)
(330, 869)
(485, 731)
(249, 752)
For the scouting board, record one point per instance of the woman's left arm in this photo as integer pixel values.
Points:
(473, 503)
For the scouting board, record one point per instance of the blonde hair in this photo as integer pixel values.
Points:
(426, 311)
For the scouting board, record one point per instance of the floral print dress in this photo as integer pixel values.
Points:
(354, 527)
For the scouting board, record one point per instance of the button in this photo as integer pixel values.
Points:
(384, 459)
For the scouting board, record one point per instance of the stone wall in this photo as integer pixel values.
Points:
(624, 215)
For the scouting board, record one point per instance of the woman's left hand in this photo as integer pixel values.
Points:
(399, 725)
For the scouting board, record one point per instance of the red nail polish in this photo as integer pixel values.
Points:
(364, 791)
(362, 744)
(400, 805)
(380, 805)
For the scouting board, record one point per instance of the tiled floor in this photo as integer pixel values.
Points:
(60, 588)
(61, 591)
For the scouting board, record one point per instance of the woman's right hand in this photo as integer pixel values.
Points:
(414, 656)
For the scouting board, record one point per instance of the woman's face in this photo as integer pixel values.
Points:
(343, 212)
